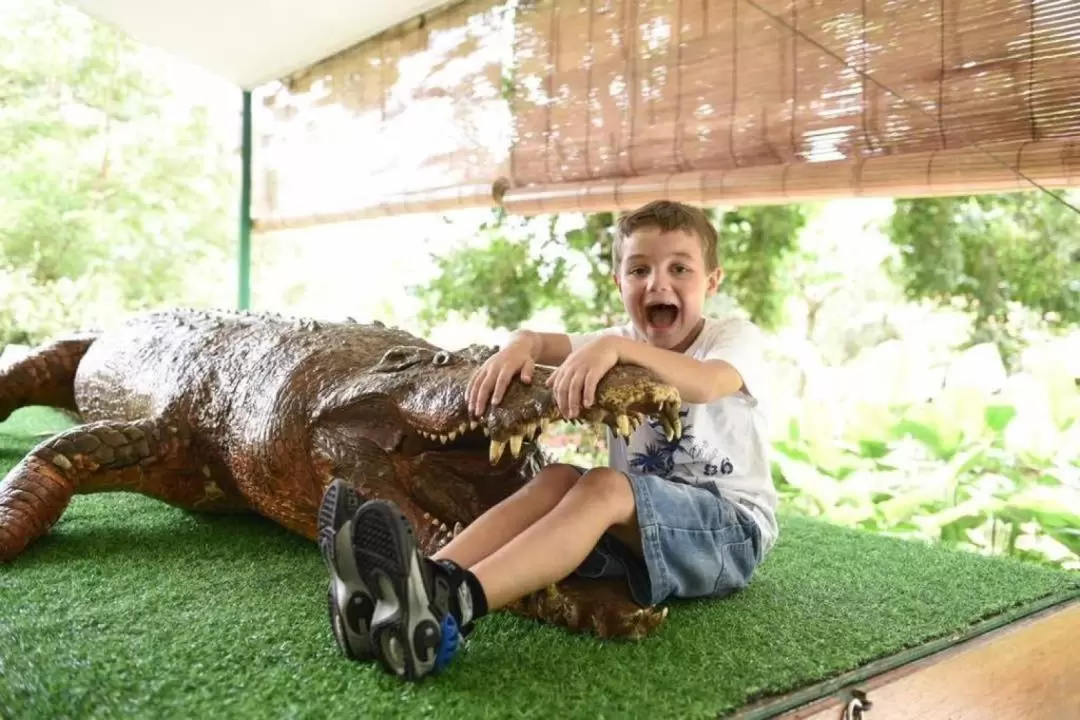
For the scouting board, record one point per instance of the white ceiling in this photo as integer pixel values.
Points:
(251, 42)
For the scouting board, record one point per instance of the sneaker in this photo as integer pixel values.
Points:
(413, 632)
(349, 602)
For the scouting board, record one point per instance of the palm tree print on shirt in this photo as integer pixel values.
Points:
(659, 455)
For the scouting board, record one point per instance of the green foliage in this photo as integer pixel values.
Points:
(756, 245)
(991, 254)
(110, 194)
(995, 474)
(517, 267)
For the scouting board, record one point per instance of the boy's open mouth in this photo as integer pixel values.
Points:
(661, 315)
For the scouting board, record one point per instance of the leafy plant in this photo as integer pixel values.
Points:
(563, 263)
(110, 199)
(959, 470)
(991, 255)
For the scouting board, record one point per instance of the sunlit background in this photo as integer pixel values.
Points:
(119, 186)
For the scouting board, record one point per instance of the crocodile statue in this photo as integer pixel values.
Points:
(255, 412)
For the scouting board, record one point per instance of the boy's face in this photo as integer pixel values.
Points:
(664, 282)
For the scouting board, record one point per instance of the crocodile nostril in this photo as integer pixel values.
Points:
(441, 358)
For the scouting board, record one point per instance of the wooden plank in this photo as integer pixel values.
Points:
(1029, 670)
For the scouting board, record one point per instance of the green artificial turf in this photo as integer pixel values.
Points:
(131, 608)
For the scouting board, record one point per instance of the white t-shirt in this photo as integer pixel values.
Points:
(724, 443)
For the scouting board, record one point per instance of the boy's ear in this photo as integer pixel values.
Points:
(617, 279)
(715, 278)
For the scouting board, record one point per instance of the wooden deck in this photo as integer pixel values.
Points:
(1027, 670)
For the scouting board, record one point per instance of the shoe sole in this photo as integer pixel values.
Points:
(406, 629)
(349, 602)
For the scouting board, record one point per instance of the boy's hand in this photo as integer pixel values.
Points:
(494, 376)
(574, 381)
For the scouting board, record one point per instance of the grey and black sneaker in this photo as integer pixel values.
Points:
(414, 633)
(349, 602)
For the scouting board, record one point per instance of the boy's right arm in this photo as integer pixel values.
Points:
(545, 348)
(525, 349)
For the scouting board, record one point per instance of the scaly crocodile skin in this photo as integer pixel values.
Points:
(239, 411)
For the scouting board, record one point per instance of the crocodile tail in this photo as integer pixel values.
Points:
(96, 457)
(46, 376)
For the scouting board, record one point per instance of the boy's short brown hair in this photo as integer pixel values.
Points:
(667, 216)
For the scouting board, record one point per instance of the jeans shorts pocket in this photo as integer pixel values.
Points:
(738, 562)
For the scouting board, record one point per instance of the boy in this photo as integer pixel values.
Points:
(688, 518)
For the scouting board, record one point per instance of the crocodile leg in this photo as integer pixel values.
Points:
(44, 377)
(150, 457)
(600, 607)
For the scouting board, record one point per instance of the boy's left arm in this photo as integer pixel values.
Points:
(733, 363)
(698, 381)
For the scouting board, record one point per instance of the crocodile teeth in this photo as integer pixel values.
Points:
(496, 451)
(473, 424)
(623, 424)
(669, 429)
(453, 435)
(457, 529)
(676, 421)
(515, 445)
(669, 418)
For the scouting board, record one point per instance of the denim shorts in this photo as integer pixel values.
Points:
(696, 543)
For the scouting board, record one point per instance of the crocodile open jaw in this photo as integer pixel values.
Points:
(622, 422)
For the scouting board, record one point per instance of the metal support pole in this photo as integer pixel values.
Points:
(244, 259)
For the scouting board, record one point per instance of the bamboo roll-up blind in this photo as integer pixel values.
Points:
(599, 104)
(407, 121)
(608, 89)
(461, 197)
(963, 171)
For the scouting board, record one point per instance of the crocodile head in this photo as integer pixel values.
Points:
(411, 404)
(428, 388)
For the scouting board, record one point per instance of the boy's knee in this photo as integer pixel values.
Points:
(553, 481)
(608, 488)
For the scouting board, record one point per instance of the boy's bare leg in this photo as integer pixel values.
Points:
(553, 546)
(500, 524)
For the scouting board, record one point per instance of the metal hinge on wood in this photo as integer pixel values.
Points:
(857, 706)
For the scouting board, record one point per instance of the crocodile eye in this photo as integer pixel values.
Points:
(441, 358)
(396, 355)
(399, 358)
